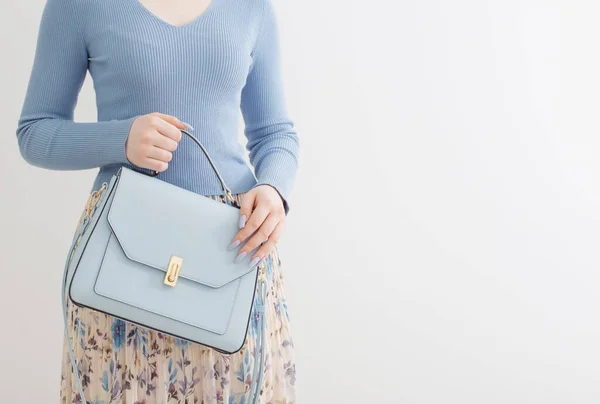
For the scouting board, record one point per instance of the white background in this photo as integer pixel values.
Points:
(443, 240)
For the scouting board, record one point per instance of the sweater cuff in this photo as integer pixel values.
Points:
(280, 174)
(114, 146)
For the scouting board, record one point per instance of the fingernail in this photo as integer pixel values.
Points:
(240, 256)
(262, 261)
(242, 221)
(233, 245)
(188, 125)
(254, 261)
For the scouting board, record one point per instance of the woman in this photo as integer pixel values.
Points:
(158, 67)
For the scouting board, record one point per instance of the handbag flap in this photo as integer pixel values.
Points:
(153, 220)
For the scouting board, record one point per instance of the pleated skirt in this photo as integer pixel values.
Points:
(121, 362)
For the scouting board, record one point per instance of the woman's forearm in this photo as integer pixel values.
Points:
(46, 133)
(272, 140)
(60, 144)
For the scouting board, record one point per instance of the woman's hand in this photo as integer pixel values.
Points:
(152, 139)
(262, 216)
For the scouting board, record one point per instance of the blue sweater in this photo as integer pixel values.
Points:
(224, 61)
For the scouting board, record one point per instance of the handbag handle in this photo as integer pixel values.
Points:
(212, 164)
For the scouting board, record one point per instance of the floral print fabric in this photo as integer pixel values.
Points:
(120, 362)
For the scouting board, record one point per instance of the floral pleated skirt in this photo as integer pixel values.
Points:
(121, 362)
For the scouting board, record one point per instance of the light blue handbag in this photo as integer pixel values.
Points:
(154, 254)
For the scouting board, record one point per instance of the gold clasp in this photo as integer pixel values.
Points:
(173, 270)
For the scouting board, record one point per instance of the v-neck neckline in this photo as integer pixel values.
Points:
(196, 19)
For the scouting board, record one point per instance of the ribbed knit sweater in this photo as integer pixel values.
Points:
(205, 72)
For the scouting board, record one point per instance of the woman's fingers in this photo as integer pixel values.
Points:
(164, 142)
(266, 218)
(248, 200)
(159, 154)
(262, 235)
(172, 120)
(155, 165)
(167, 129)
(268, 246)
(148, 135)
(254, 222)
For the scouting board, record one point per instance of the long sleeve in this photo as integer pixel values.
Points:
(272, 140)
(46, 133)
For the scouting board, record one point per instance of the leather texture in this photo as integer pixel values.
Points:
(120, 255)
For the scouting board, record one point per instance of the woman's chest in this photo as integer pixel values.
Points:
(144, 53)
